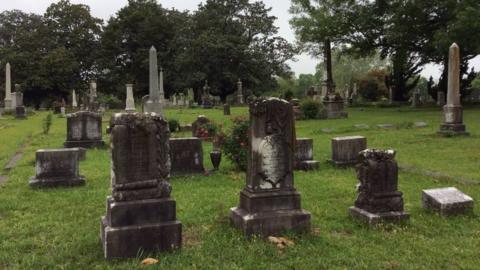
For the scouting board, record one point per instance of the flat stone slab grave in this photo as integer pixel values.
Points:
(447, 201)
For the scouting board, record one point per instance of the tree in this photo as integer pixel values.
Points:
(236, 39)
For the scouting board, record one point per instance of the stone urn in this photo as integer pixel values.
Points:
(216, 158)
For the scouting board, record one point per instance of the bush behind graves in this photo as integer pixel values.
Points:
(235, 143)
(47, 123)
(173, 125)
(311, 109)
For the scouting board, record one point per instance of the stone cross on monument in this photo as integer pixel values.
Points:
(154, 102)
(453, 111)
(8, 88)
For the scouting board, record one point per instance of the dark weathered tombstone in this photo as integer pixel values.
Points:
(226, 109)
(141, 215)
(84, 129)
(378, 196)
(186, 155)
(304, 155)
(440, 98)
(269, 203)
(20, 111)
(196, 126)
(82, 153)
(447, 201)
(345, 149)
(57, 167)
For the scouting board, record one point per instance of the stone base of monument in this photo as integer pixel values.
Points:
(20, 112)
(373, 219)
(334, 109)
(452, 124)
(132, 227)
(84, 144)
(56, 182)
(452, 129)
(447, 201)
(269, 213)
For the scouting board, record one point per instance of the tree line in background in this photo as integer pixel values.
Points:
(221, 42)
(409, 34)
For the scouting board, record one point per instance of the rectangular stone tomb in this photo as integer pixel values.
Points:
(84, 129)
(378, 196)
(57, 167)
(269, 203)
(141, 215)
(304, 155)
(186, 155)
(345, 149)
(447, 201)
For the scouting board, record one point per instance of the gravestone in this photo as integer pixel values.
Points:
(186, 155)
(226, 109)
(269, 203)
(84, 129)
(440, 98)
(378, 196)
(447, 201)
(345, 149)
(196, 126)
(92, 100)
(57, 167)
(8, 89)
(416, 98)
(453, 111)
(20, 111)
(141, 215)
(129, 102)
(304, 155)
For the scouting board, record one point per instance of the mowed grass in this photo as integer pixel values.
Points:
(59, 228)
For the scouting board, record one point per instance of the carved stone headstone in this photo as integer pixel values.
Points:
(186, 155)
(57, 167)
(378, 196)
(20, 110)
(345, 149)
(453, 111)
(84, 129)
(141, 215)
(269, 203)
(447, 201)
(304, 155)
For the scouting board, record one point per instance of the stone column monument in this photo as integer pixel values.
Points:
(92, 102)
(154, 102)
(269, 203)
(141, 215)
(240, 92)
(333, 102)
(130, 102)
(453, 111)
(8, 88)
(440, 98)
(74, 99)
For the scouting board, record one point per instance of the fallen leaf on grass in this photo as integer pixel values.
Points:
(281, 242)
(149, 261)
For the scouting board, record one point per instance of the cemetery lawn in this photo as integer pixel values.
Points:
(59, 228)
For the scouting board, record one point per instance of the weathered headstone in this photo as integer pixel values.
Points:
(84, 129)
(378, 196)
(129, 102)
(304, 155)
(207, 99)
(141, 215)
(345, 149)
(20, 110)
(440, 98)
(453, 111)
(226, 109)
(447, 201)
(57, 167)
(8, 89)
(154, 101)
(186, 155)
(269, 203)
(416, 98)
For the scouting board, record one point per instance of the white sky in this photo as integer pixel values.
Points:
(106, 8)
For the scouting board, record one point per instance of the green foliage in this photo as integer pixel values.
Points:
(288, 95)
(111, 100)
(47, 123)
(235, 143)
(310, 108)
(372, 86)
(173, 125)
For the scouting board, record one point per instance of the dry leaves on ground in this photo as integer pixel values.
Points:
(280, 242)
(149, 261)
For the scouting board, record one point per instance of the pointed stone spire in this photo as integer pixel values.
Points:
(130, 102)
(8, 88)
(153, 65)
(162, 91)
(74, 99)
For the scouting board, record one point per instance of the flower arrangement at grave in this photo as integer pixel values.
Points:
(235, 143)
(207, 130)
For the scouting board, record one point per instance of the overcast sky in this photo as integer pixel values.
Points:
(106, 8)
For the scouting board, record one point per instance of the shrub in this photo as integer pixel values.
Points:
(288, 95)
(110, 100)
(235, 143)
(173, 125)
(47, 123)
(310, 109)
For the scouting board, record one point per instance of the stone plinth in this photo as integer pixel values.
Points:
(334, 108)
(57, 167)
(378, 196)
(269, 203)
(186, 155)
(84, 129)
(447, 201)
(141, 215)
(304, 155)
(452, 123)
(345, 149)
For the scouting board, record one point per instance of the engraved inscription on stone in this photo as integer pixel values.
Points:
(92, 129)
(76, 130)
(274, 160)
(139, 157)
(449, 117)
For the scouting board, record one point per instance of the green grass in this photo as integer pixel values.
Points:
(59, 228)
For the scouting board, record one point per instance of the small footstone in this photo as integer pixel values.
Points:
(385, 126)
(362, 126)
(328, 130)
(447, 201)
(420, 124)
